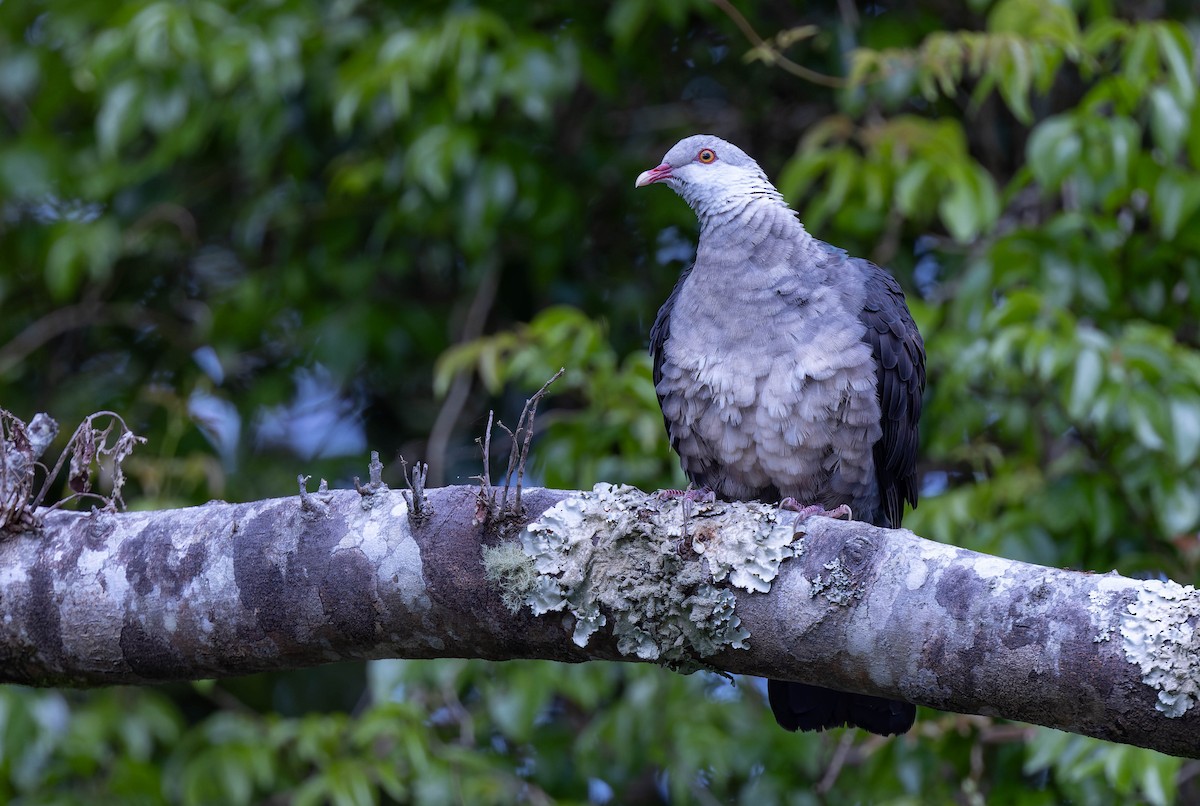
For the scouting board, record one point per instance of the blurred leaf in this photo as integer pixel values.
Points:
(1176, 199)
(1185, 429)
(1053, 148)
(1169, 121)
(81, 249)
(118, 117)
(1088, 374)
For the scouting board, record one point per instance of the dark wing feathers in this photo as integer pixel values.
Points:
(658, 338)
(799, 706)
(662, 327)
(900, 370)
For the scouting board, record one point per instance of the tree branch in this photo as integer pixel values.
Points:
(227, 589)
(766, 50)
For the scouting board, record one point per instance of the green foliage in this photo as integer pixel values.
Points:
(267, 232)
(908, 166)
(1092, 771)
(83, 748)
(1019, 52)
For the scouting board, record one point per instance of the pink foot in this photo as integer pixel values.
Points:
(704, 495)
(803, 512)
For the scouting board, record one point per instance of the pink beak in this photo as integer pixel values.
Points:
(653, 175)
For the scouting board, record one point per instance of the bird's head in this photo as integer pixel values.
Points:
(711, 175)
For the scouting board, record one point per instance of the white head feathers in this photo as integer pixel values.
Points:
(714, 177)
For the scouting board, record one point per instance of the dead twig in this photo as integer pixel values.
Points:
(375, 482)
(314, 504)
(513, 451)
(520, 440)
(21, 446)
(484, 500)
(91, 445)
(531, 406)
(418, 501)
(521, 455)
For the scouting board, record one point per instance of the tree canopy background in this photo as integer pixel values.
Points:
(274, 236)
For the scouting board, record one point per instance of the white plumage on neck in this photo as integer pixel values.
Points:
(729, 192)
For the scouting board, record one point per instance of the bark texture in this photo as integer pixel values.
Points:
(228, 589)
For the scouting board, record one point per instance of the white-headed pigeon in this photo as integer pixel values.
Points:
(786, 369)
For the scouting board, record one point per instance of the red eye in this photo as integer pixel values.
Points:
(707, 155)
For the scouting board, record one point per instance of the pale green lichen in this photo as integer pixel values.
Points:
(838, 585)
(1102, 606)
(512, 571)
(618, 553)
(1160, 632)
(749, 552)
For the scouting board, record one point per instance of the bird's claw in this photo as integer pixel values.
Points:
(805, 512)
(703, 495)
(688, 499)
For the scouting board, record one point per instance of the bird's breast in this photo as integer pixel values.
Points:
(768, 396)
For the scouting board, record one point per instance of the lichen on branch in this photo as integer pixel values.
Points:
(1160, 632)
(663, 577)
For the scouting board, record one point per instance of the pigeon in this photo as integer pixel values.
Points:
(786, 369)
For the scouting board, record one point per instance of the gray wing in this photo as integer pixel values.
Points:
(659, 333)
(662, 329)
(900, 370)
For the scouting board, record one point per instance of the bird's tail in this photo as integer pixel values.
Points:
(802, 707)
